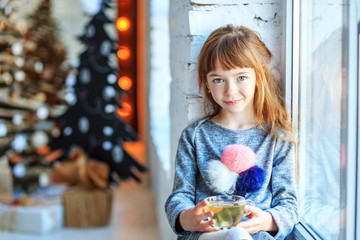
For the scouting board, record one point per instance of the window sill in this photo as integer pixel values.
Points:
(301, 232)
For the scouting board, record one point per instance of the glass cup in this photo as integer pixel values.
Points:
(228, 210)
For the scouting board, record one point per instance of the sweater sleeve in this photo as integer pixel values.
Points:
(183, 196)
(284, 207)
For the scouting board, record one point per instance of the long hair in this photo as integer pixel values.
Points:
(242, 47)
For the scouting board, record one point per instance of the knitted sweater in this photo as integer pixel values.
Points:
(204, 141)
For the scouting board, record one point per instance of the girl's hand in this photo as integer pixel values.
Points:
(259, 220)
(193, 219)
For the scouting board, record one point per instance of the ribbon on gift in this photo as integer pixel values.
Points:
(82, 171)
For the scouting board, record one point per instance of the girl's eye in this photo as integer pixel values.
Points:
(241, 78)
(217, 80)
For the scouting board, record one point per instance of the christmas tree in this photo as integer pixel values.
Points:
(47, 60)
(32, 75)
(91, 121)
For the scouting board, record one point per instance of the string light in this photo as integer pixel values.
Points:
(125, 111)
(43, 150)
(2, 25)
(123, 24)
(123, 53)
(126, 25)
(125, 83)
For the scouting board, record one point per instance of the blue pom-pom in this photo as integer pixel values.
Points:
(250, 180)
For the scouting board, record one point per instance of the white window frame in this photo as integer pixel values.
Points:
(293, 40)
(357, 221)
(353, 171)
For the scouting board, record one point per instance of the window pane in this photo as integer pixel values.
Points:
(321, 112)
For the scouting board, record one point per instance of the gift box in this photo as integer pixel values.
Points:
(85, 208)
(31, 219)
(88, 200)
(82, 171)
(41, 212)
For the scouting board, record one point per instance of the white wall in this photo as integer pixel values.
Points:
(190, 22)
(158, 142)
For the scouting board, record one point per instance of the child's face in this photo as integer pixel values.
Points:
(233, 90)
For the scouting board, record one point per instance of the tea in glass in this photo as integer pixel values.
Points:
(228, 210)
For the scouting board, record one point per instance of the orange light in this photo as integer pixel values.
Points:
(43, 150)
(123, 24)
(2, 24)
(125, 83)
(15, 158)
(123, 52)
(54, 155)
(125, 111)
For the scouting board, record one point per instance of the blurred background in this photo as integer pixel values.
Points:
(95, 93)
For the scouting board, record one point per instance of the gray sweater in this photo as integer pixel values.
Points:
(205, 140)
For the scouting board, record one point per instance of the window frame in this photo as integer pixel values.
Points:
(353, 170)
(292, 63)
(301, 232)
(357, 220)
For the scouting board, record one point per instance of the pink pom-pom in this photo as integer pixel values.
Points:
(238, 158)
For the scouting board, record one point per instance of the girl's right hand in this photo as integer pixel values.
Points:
(195, 219)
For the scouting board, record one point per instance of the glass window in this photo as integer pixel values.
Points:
(322, 116)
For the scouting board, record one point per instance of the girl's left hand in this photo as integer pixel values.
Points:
(259, 220)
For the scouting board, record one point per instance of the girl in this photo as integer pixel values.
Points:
(244, 106)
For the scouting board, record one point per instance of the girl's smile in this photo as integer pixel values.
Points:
(232, 102)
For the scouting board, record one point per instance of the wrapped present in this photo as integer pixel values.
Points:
(88, 200)
(40, 219)
(6, 181)
(87, 207)
(81, 171)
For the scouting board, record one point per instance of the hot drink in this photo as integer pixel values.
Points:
(228, 210)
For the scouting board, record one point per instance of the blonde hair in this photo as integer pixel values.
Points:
(242, 47)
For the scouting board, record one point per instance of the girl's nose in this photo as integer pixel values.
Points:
(230, 88)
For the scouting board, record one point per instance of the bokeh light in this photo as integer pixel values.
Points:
(125, 83)
(125, 111)
(123, 53)
(123, 24)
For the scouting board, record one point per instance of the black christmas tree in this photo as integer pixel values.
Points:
(91, 121)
